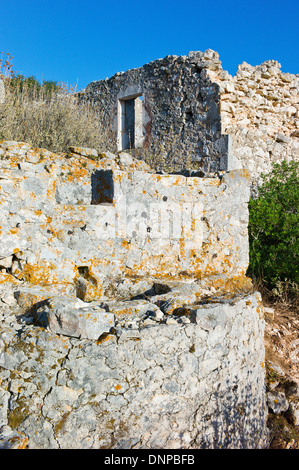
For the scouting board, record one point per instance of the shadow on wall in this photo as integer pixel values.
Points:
(102, 187)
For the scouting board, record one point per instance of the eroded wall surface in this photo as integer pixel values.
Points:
(169, 381)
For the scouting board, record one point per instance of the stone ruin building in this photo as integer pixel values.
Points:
(190, 111)
(127, 318)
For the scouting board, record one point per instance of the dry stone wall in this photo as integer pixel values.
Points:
(110, 336)
(126, 317)
(260, 110)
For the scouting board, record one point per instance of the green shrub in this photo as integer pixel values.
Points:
(274, 228)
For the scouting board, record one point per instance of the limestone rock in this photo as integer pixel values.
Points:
(77, 319)
(277, 401)
(27, 295)
(84, 151)
(10, 439)
(6, 262)
(119, 391)
(293, 412)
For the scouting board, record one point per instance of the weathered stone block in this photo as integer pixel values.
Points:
(73, 318)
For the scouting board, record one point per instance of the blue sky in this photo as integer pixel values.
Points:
(77, 41)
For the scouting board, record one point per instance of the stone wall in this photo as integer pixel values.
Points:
(260, 110)
(216, 120)
(55, 225)
(126, 317)
(168, 382)
(180, 109)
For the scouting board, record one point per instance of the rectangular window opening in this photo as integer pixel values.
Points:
(130, 123)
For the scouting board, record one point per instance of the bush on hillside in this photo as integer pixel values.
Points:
(274, 229)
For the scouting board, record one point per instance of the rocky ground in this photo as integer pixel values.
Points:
(282, 360)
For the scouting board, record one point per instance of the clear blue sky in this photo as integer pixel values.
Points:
(78, 41)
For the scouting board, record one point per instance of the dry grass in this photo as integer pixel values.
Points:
(284, 296)
(52, 119)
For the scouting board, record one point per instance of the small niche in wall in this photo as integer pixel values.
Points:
(189, 115)
(130, 122)
(102, 187)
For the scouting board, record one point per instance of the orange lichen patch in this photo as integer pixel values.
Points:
(48, 221)
(122, 311)
(117, 177)
(39, 274)
(32, 156)
(213, 181)
(104, 338)
(14, 230)
(56, 234)
(260, 312)
(117, 387)
(72, 209)
(38, 212)
(14, 161)
(244, 173)
(233, 283)
(74, 223)
(8, 278)
(75, 173)
(51, 190)
(18, 273)
(32, 196)
(19, 442)
(182, 244)
(125, 244)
